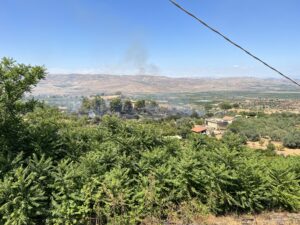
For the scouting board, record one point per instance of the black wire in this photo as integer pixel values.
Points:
(233, 43)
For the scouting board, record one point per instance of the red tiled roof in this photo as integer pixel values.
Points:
(199, 129)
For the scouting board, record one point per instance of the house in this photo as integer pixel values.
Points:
(199, 129)
(216, 124)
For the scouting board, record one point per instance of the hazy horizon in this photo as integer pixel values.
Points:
(152, 37)
(171, 76)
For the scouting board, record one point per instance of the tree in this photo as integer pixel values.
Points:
(234, 140)
(85, 105)
(140, 105)
(67, 203)
(209, 114)
(118, 93)
(97, 105)
(292, 140)
(207, 107)
(184, 126)
(153, 104)
(194, 114)
(127, 107)
(116, 105)
(271, 147)
(15, 81)
(125, 171)
(225, 106)
(236, 105)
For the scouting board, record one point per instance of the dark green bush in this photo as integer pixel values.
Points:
(65, 170)
(292, 140)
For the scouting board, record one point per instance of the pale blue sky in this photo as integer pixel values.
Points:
(152, 36)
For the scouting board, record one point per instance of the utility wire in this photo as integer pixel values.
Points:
(233, 43)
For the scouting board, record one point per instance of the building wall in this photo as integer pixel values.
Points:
(211, 124)
(222, 125)
(216, 125)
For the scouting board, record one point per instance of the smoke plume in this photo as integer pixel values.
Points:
(137, 57)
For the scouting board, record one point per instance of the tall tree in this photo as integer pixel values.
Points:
(15, 81)
(140, 105)
(85, 105)
(116, 105)
(98, 105)
(225, 105)
(127, 107)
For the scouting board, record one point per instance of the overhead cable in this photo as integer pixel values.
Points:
(233, 43)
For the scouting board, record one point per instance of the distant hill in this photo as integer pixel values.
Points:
(88, 84)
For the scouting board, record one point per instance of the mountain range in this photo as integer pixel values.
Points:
(89, 84)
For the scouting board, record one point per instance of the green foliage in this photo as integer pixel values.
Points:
(235, 105)
(15, 81)
(126, 171)
(209, 114)
(140, 105)
(285, 188)
(116, 105)
(184, 126)
(127, 107)
(234, 140)
(292, 140)
(96, 104)
(24, 196)
(153, 104)
(225, 105)
(86, 105)
(271, 147)
(60, 169)
(194, 114)
(278, 127)
(208, 107)
(68, 205)
(54, 134)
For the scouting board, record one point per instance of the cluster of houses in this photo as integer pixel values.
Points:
(214, 125)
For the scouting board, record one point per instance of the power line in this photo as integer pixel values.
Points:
(233, 43)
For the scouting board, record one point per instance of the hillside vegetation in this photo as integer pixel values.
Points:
(61, 169)
(284, 127)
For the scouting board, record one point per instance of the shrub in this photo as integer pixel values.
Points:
(271, 146)
(292, 140)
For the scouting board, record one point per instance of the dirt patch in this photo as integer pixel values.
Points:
(263, 219)
(280, 150)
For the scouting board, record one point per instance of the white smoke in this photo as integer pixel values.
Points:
(137, 56)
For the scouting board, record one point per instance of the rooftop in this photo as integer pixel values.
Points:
(199, 129)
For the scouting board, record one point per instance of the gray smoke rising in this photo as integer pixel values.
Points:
(137, 56)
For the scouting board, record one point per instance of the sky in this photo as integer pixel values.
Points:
(152, 36)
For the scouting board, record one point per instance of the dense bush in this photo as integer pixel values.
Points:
(278, 127)
(292, 140)
(120, 172)
(125, 171)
